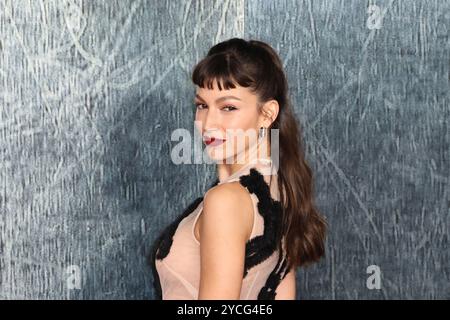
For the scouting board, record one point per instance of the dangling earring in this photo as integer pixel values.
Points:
(262, 132)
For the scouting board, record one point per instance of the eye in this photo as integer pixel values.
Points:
(199, 105)
(230, 108)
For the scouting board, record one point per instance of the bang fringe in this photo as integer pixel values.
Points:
(219, 68)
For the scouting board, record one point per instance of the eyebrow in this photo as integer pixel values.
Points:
(220, 99)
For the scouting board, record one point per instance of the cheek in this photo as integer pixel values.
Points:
(242, 138)
(198, 121)
(245, 123)
(244, 120)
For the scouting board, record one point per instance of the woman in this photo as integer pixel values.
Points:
(257, 223)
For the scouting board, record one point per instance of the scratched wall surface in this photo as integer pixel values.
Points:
(92, 90)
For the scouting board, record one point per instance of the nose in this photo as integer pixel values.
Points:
(210, 123)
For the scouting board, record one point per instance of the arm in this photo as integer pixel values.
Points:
(225, 227)
(286, 290)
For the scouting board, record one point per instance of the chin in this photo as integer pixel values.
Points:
(216, 154)
(219, 155)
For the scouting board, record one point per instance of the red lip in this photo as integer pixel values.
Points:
(214, 141)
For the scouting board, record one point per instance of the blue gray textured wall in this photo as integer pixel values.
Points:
(91, 91)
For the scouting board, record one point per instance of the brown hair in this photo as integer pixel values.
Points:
(255, 65)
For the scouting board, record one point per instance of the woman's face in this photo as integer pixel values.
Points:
(231, 117)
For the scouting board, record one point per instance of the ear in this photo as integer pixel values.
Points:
(269, 113)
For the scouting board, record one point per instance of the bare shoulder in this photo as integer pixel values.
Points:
(229, 204)
(227, 191)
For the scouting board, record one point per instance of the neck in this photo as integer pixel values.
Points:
(251, 156)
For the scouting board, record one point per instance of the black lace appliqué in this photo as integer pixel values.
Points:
(263, 246)
(162, 244)
(278, 273)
